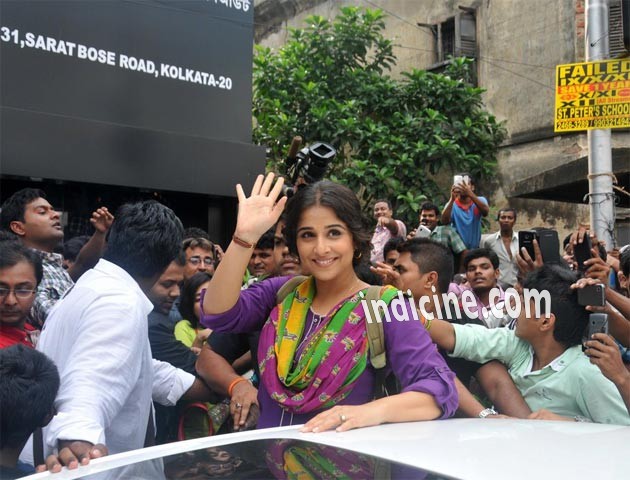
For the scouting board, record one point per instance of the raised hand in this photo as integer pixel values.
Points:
(261, 210)
(102, 220)
(465, 189)
(597, 268)
(387, 273)
(525, 263)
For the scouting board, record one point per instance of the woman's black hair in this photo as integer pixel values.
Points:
(343, 202)
(187, 296)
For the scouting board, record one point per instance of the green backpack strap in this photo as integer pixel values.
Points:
(383, 385)
(376, 336)
(290, 285)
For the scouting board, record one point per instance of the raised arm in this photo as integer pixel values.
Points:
(481, 205)
(92, 251)
(256, 214)
(446, 213)
(390, 224)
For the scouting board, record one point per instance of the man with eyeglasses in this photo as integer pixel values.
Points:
(200, 256)
(20, 273)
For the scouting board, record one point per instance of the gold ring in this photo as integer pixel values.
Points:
(342, 417)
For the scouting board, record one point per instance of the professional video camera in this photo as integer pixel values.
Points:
(307, 165)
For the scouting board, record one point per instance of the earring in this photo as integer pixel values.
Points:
(356, 257)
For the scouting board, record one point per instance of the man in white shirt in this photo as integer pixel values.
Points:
(505, 244)
(97, 336)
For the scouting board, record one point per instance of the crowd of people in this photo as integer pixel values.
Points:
(148, 332)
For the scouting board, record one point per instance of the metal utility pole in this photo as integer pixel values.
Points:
(601, 197)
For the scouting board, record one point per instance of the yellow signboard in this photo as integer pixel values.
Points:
(592, 95)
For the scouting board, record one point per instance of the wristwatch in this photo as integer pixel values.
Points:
(487, 411)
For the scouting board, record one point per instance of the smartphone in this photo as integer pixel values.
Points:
(597, 323)
(549, 244)
(592, 295)
(422, 232)
(457, 179)
(582, 252)
(526, 240)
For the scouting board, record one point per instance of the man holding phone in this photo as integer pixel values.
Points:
(543, 354)
(465, 209)
(599, 346)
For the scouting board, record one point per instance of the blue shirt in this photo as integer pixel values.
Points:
(467, 222)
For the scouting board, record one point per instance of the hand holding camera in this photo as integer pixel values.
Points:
(307, 165)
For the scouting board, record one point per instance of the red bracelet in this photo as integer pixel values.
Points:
(241, 242)
(234, 383)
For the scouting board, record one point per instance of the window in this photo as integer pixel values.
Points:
(457, 37)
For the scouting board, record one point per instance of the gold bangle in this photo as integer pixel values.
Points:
(242, 243)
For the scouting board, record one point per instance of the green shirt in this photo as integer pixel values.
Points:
(570, 385)
(185, 333)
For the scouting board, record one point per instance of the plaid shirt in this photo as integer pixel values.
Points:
(448, 237)
(55, 282)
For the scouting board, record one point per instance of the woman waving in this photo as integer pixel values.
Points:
(313, 349)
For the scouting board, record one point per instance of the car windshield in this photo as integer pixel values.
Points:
(269, 459)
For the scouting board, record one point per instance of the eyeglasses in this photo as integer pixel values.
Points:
(196, 260)
(22, 293)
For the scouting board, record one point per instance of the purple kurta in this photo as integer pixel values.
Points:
(411, 355)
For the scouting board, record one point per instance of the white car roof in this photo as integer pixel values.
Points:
(461, 448)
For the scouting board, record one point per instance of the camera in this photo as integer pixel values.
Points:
(309, 164)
